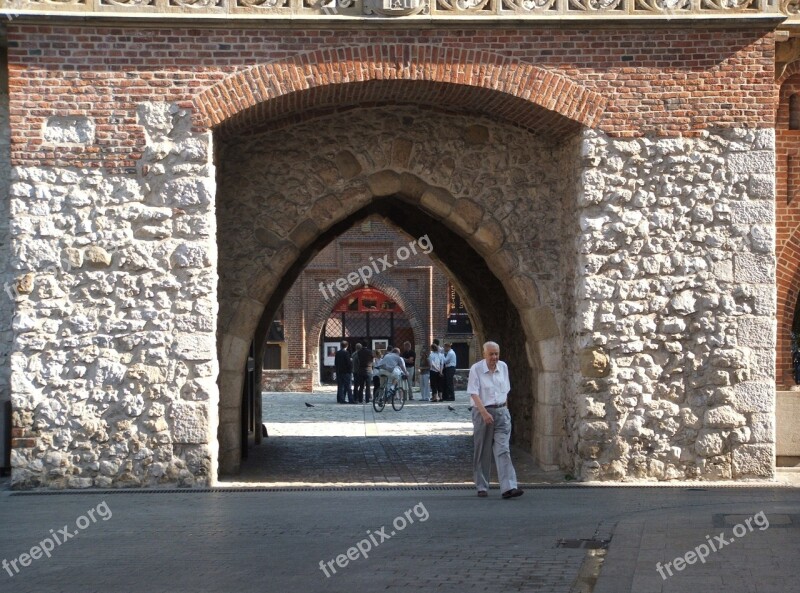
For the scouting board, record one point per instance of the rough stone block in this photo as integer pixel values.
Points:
(754, 269)
(754, 461)
(753, 161)
(69, 130)
(189, 422)
(753, 396)
(756, 332)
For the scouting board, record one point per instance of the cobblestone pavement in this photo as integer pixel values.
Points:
(405, 491)
(330, 443)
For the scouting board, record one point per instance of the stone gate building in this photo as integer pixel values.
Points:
(601, 177)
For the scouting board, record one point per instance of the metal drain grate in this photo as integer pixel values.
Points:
(586, 544)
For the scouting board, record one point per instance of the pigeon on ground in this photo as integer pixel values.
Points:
(451, 408)
(469, 408)
(308, 405)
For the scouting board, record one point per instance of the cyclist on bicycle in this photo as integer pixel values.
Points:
(391, 365)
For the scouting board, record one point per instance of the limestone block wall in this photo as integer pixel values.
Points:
(114, 368)
(675, 297)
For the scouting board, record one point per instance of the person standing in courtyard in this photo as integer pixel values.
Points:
(424, 375)
(344, 375)
(364, 374)
(436, 359)
(410, 357)
(354, 358)
(488, 386)
(449, 371)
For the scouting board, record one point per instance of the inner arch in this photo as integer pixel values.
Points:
(494, 315)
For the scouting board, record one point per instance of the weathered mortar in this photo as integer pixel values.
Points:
(675, 286)
(114, 369)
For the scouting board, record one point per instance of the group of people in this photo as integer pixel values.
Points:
(355, 371)
(438, 372)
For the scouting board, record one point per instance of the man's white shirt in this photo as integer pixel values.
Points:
(491, 387)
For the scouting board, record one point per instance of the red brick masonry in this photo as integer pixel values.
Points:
(625, 81)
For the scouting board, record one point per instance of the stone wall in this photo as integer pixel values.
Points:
(676, 308)
(114, 370)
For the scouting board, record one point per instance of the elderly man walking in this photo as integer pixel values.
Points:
(488, 386)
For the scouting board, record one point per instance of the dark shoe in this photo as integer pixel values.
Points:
(513, 493)
(482, 494)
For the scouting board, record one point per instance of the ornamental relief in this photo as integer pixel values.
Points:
(410, 8)
(396, 7)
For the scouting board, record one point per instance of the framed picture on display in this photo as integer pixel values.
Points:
(379, 345)
(330, 349)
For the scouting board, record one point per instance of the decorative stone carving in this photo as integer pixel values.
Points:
(489, 9)
(396, 7)
(455, 5)
(529, 5)
(665, 6)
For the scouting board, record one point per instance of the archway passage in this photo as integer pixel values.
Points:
(325, 443)
(495, 218)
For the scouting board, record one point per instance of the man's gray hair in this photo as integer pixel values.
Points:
(487, 344)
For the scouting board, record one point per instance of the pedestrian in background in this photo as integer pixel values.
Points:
(410, 358)
(436, 361)
(450, 362)
(425, 375)
(344, 375)
(364, 374)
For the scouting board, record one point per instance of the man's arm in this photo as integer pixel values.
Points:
(473, 387)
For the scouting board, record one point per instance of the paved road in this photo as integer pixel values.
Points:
(274, 541)
(402, 535)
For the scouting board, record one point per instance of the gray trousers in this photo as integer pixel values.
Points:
(491, 440)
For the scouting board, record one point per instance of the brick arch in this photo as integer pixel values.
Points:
(788, 282)
(386, 286)
(530, 96)
(791, 70)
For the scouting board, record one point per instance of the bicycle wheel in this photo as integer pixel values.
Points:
(379, 400)
(399, 399)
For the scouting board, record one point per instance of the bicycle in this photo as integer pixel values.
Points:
(394, 393)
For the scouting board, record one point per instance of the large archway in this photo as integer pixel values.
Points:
(495, 219)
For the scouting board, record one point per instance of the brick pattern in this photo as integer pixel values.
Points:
(300, 380)
(787, 216)
(666, 81)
